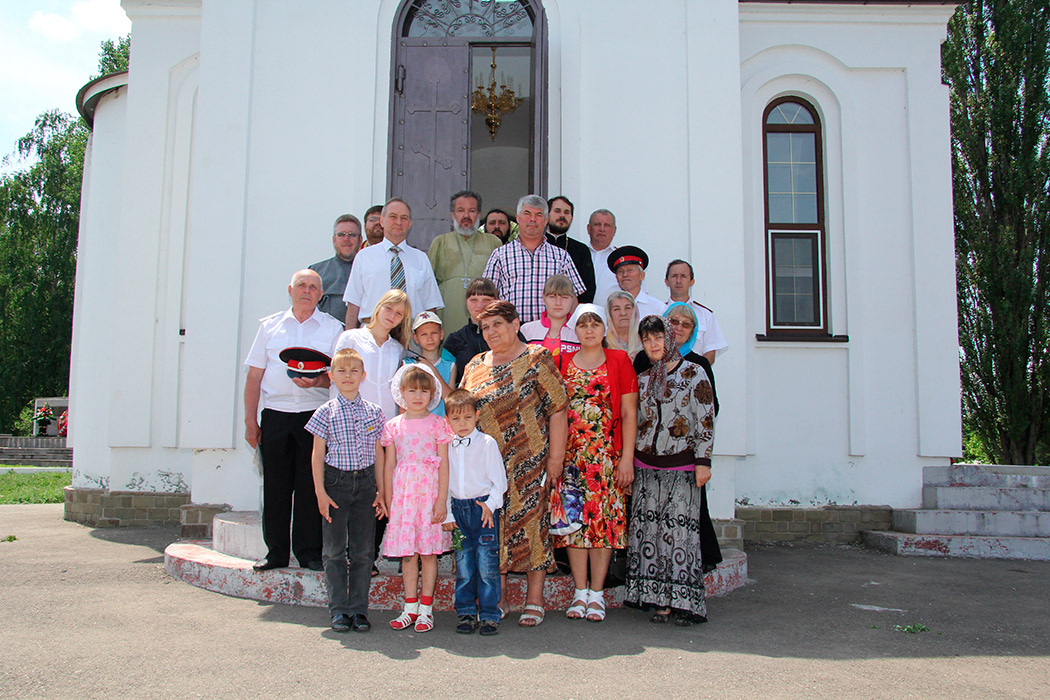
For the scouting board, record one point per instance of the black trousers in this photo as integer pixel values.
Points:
(288, 488)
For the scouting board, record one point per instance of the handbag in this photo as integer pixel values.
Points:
(566, 503)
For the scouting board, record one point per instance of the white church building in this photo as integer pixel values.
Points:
(797, 153)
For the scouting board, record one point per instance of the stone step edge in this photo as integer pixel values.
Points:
(977, 523)
(194, 562)
(961, 546)
(986, 475)
(970, 495)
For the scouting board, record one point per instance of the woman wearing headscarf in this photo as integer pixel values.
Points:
(622, 331)
(676, 428)
(682, 318)
(603, 402)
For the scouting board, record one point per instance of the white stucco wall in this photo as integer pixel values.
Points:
(248, 125)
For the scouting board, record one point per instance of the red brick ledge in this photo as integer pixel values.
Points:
(194, 562)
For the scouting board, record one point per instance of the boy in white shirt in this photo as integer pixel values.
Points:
(477, 480)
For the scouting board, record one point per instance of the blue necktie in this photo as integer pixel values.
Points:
(397, 270)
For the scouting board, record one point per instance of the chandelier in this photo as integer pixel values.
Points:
(492, 104)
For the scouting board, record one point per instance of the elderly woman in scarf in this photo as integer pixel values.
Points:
(682, 319)
(676, 430)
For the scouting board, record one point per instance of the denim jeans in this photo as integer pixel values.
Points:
(477, 563)
(347, 540)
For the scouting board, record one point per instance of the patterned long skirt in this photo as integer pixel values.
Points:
(664, 563)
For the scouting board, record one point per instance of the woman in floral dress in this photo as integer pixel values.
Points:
(603, 400)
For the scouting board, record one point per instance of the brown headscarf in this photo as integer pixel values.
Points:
(657, 388)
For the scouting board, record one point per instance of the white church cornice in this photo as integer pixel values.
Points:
(161, 8)
(842, 12)
(88, 97)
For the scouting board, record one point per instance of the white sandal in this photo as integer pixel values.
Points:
(532, 617)
(578, 609)
(596, 599)
(407, 617)
(425, 621)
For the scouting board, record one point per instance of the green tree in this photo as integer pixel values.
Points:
(39, 221)
(996, 64)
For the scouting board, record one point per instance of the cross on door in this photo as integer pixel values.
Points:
(435, 108)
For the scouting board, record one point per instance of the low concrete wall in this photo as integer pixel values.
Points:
(836, 524)
(105, 508)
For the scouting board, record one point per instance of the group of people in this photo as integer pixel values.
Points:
(381, 435)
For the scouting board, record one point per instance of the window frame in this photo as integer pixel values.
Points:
(817, 231)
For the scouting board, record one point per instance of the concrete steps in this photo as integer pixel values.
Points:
(980, 511)
(35, 451)
(224, 565)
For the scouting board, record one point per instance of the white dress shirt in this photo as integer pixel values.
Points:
(604, 279)
(278, 332)
(370, 278)
(476, 469)
(708, 334)
(380, 364)
(648, 305)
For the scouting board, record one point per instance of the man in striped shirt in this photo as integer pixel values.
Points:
(521, 268)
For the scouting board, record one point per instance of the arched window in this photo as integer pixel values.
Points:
(796, 280)
(469, 18)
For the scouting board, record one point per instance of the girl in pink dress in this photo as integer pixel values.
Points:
(416, 472)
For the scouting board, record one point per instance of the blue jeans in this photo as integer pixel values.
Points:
(347, 540)
(477, 563)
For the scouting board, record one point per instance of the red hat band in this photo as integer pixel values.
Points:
(306, 366)
(627, 259)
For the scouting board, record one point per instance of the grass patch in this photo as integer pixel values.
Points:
(45, 487)
(913, 628)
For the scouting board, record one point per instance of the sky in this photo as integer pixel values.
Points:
(48, 51)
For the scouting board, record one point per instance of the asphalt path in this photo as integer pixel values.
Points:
(90, 613)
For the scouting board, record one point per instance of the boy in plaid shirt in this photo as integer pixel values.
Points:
(347, 468)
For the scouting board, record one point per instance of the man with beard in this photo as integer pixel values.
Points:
(460, 256)
(497, 222)
(558, 223)
(335, 271)
(373, 225)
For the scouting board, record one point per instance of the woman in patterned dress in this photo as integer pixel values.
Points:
(522, 405)
(603, 403)
(676, 430)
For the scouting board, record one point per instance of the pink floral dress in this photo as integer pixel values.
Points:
(415, 488)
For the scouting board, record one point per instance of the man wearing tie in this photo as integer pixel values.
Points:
(391, 264)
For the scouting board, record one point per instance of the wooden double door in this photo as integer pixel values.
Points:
(440, 144)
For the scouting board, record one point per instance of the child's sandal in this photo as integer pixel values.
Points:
(407, 617)
(596, 606)
(579, 605)
(425, 621)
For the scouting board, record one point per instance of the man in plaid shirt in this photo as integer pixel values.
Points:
(521, 268)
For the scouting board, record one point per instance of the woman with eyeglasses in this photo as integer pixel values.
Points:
(682, 320)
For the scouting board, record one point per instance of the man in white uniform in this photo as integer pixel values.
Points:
(709, 339)
(629, 263)
(287, 403)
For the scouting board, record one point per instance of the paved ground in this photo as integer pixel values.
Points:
(90, 613)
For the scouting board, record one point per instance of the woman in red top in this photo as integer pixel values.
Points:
(603, 404)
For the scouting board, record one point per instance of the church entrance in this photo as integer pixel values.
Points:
(468, 106)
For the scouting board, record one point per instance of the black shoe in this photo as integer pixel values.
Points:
(489, 628)
(341, 623)
(360, 623)
(267, 564)
(467, 624)
(315, 565)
